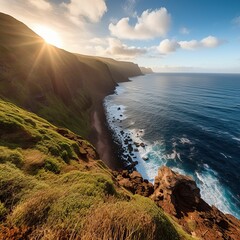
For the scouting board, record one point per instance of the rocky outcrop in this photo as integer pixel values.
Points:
(134, 183)
(85, 150)
(180, 197)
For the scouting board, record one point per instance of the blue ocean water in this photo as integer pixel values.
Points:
(189, 122)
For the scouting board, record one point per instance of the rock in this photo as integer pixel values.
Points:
(145, 158)
(142, 145)
(180, 192)
(135, 183)
(180, 197)
(119, 109)
(129, 159)
(136, 144)
(130, 148)
(135, 174)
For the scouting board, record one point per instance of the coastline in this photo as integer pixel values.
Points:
(102, 139)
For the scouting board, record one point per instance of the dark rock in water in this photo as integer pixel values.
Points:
(132, 154)
(122, 132)
(136, 144)
(119, 108)
(142, 145)
(130, 148)
(129, 159)
(136, 150)
(145, 158)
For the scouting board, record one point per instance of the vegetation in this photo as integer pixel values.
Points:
(52, 186)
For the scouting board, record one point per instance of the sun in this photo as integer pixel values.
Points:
(49, 35)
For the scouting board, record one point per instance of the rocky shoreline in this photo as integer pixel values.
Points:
(179, 196)
(176, 194)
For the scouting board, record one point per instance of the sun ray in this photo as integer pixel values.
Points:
(50, 36)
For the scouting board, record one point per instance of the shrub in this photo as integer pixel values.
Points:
(11, 155)
(64, 156)
(52, 165)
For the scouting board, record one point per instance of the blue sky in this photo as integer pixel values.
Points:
(167, 35)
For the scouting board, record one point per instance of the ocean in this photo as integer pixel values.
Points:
(188, 122)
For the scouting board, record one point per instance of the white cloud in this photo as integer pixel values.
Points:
(149, 25)
(117, 48)
(184, 30)
(190, 45)
(41, 4)
(208, 42)
(92, 10)
(74, 37)
(168, 46)
(211, 42)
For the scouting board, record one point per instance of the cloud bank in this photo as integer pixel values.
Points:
(167, 46)
(149, 25)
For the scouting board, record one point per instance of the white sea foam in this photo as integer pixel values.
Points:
(235, 138)
(212, 191)
(185, 140)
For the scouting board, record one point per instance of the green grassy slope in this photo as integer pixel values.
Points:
(56, 84)
(52, 186)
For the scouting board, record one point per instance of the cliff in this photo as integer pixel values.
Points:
(58, 85)
(145, 70)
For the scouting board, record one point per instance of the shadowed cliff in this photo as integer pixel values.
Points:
(56, 84)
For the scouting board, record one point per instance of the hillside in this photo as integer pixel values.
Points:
(52, 186)
(60, 86)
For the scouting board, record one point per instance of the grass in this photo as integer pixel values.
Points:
(50, 188)
(139, 218)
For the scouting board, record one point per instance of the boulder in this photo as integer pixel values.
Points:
(135, 183)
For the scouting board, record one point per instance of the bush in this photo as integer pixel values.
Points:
(52, 165)
(65, 157)
(11, 155)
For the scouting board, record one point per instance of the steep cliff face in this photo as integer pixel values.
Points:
(145, 70)
(119, 70)
(52, 82)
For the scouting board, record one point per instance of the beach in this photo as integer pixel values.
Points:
(102, 139)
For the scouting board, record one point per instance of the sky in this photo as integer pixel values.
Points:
(166, 35)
